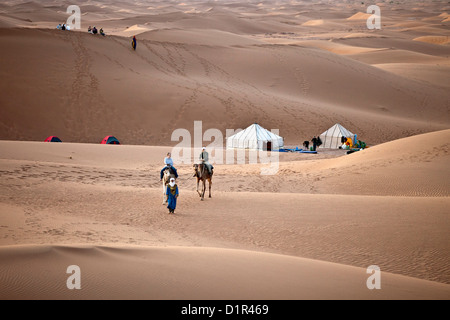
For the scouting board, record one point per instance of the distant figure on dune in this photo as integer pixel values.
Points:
(94, 30)
(134, 43)
(172, 195)
(102, 32)
(90, 29)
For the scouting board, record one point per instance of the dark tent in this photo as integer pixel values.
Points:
(53, 139)
(110, 140)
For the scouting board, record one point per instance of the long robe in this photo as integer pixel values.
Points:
(172, 194)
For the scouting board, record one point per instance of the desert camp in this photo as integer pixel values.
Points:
(255, 137)
(332, 138)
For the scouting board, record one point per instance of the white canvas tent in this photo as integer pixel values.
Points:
(255, 137)
(332, 137)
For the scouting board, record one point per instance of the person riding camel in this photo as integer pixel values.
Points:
(204, 157)
(169, 165)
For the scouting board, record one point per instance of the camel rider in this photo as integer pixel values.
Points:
(204, 157)
(169, 165)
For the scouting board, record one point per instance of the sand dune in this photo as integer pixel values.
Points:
(204, 77)
(398, 44)
(399, 56)
(199, 37)
(314, 23)
(135, 30)
(435, 75)
(404, 25)
(360, 16)
(308, 232)
(441, 40)
(248, 80)
(427, 157)
(357, 35)
(188, 273)
(360, 173)
(316, 209)
(338, 48)
(380, 170)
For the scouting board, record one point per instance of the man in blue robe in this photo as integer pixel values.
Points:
(172, 195)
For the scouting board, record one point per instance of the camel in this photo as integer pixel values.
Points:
(202, 174)
(166, 179)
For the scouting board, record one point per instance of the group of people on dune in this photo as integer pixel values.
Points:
(63, 26)
(172, 191)
(94, 30)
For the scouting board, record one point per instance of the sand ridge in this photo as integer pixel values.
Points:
(243, 274)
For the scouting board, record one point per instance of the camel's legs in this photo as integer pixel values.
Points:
(164, 193)
(198, 182)
(210, 182)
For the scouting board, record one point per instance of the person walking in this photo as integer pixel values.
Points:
(172, 195)
(314, 141)
(134, 43)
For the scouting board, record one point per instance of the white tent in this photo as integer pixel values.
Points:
(257, 138)
(332, 138)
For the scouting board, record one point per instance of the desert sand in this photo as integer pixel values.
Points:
(310, 231)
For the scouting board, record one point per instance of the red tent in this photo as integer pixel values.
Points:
(53, 139)
(110, 140)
